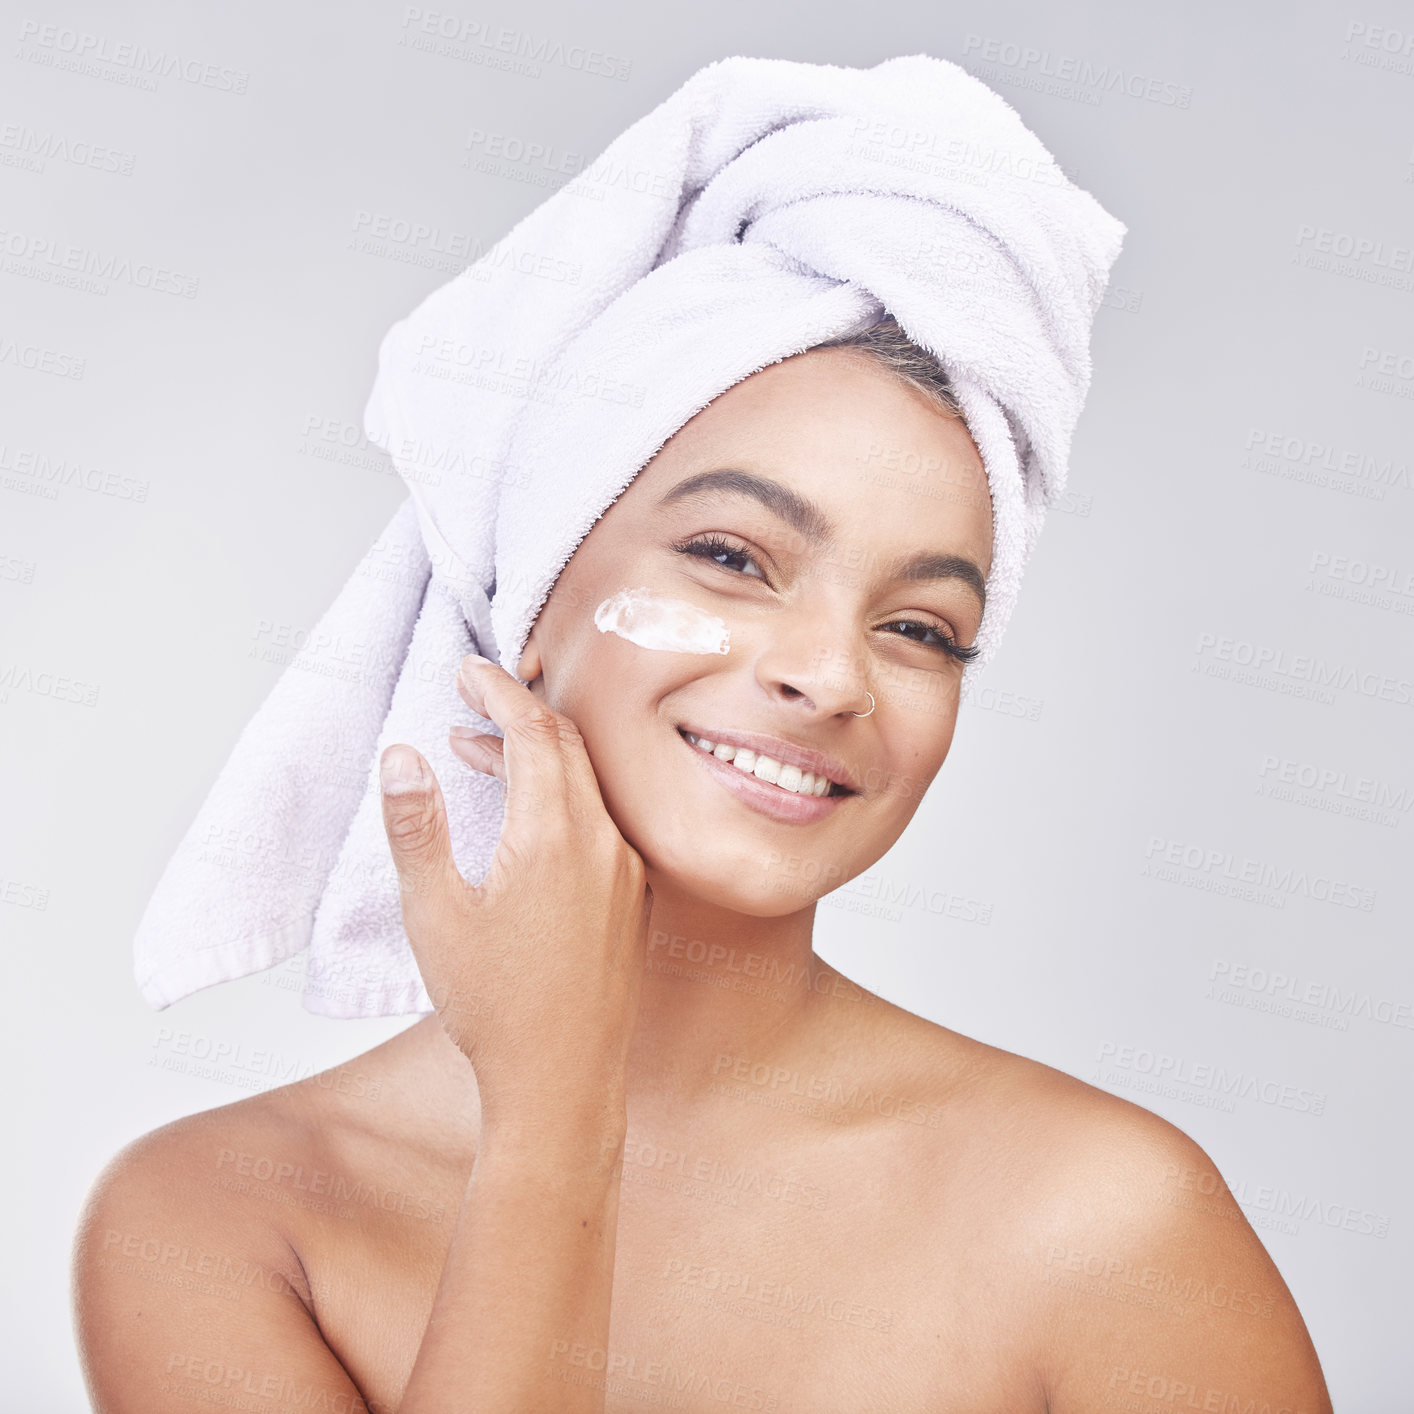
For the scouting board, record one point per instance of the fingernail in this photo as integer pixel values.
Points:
(466, 672)
(400, 770)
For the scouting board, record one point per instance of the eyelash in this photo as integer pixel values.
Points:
(705, 546)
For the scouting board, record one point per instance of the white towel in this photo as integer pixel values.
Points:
(765, 207)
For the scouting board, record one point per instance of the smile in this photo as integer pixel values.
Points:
(767, 768)
(781, 790)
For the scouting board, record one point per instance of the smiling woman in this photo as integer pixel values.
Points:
(645, 1144)
(768, 511)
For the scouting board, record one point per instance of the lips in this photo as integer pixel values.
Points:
(783, 806)
(774, 773)
(778, 749)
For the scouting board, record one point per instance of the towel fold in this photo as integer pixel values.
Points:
(763, 208)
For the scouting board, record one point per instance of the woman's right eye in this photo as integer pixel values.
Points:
(711, 547)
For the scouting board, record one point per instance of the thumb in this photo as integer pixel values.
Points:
(415, 819)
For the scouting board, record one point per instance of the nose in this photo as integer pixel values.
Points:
(813, 662)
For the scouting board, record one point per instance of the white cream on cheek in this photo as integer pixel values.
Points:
(670, 625)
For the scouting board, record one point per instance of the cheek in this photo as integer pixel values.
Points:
(661, 624)
(902, 778)
(613, 690)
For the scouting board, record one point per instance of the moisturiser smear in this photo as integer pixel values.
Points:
(672, 625)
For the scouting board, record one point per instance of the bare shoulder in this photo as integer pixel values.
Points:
(174, 1176)
(1138, 1272)
(183, 1284)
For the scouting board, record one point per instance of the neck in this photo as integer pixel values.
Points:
(721, 990)
(724, 995)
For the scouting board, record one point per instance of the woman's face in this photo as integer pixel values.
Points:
(830, 476)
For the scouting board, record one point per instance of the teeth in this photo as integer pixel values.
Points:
(765, 768)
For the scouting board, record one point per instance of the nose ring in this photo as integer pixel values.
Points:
(870, 696)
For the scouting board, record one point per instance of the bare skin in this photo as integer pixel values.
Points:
(671, 1136)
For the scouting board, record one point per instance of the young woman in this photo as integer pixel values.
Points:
(651, 1149)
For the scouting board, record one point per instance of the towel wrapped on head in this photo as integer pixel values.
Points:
(765, 207)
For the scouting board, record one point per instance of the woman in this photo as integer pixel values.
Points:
(641, 1091)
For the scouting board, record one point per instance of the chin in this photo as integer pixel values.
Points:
(725, 865)
(767, 900)
(770, 889)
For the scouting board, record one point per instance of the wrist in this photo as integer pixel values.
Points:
(585, 1137)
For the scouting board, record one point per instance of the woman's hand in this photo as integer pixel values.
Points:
(535, 973)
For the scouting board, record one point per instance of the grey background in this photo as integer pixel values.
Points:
(208, 518)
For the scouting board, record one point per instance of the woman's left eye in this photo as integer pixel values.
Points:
(948, 644)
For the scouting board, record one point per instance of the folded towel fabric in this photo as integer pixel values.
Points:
(764, 207)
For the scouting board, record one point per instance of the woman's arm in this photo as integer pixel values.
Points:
(183, 1299)
(180, 1298)
(535, 976)
(554, 939)
(528, 1279)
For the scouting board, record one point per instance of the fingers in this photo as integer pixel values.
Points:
(480, 750)
(415, 819)
(544, 762)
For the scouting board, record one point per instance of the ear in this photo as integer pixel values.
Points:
(530, 670)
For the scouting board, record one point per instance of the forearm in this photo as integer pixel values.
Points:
(528, 1276)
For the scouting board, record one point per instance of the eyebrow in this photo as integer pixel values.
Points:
(816, 528)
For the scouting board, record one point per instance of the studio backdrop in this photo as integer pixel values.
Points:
(1170, 852)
